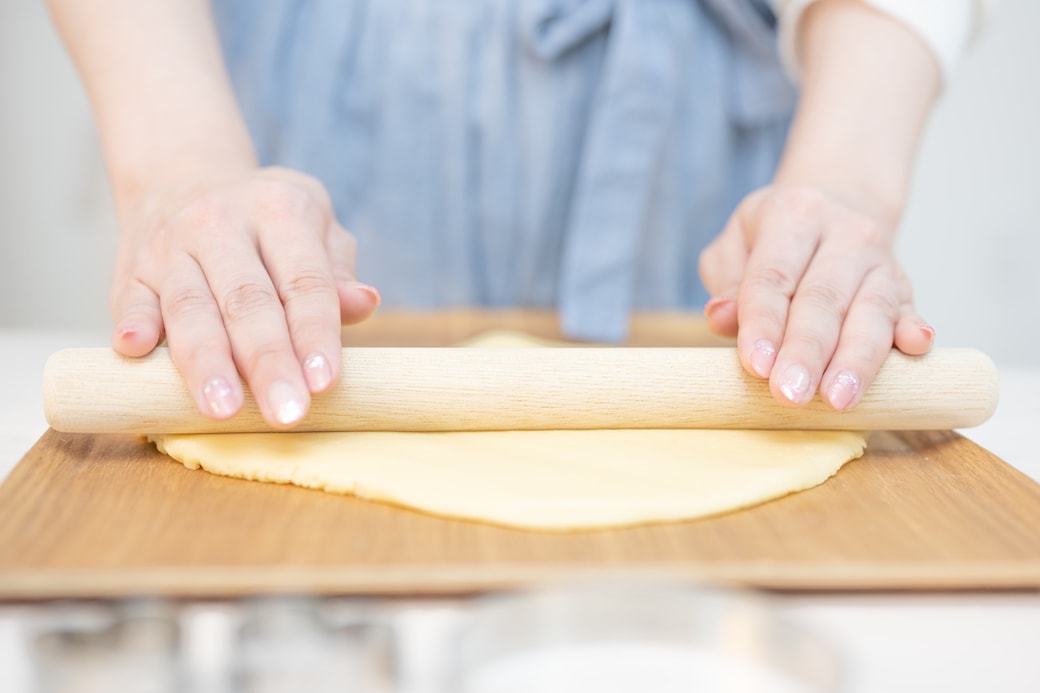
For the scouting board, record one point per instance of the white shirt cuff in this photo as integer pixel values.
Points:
(946, 26)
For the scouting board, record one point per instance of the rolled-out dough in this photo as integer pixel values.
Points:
(553, 481)
(546, 480)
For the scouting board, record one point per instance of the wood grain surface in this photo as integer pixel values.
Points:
(87, 515)
(449, 327)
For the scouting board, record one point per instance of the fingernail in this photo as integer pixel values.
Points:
(715, 303)
(288, 406)
(318, 373)
(929, 332)
(762, 357)
(843, 390)
(371, 291)
(220, 397)
(795, 384)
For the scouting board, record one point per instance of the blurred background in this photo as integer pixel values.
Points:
(970, 239)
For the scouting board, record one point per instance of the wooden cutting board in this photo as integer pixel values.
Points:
(94, 516)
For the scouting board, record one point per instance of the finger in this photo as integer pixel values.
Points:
(138, 319)
(357, 300)
(255, 322)
(197, 341)
(817, 312)
(775, 268)
(866, 338)
(298, 265)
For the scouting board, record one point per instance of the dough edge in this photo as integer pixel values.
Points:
(192, 452)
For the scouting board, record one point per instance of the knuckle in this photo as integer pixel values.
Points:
(306, 284)
(800, 203)
(825, 296)
(297, 177)
(245, 300)
(206, 210)
(774, 280)
(866, 231)
(281, 202)
(318, 194)
(882, 302)
(186, 301)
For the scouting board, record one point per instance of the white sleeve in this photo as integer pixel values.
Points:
(946, 26)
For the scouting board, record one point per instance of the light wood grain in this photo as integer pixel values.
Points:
(446, 389)
(450, 327)
(106, 515)
(88, 515)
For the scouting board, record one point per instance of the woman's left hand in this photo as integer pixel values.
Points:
(812, 290)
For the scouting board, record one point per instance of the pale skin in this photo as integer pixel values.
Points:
(244, 270)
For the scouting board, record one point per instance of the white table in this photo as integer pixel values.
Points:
(890, 643)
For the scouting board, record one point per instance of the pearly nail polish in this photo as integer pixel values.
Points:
(220, 397)
(317, 372)
(762, 357)
(843, 390)
(288, 406)
(796, 385)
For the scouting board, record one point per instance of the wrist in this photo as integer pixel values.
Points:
(866, 188)
(140, 187)
(868, 84)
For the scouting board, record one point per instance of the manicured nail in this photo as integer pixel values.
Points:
(929, 332)
(287, 404)
(371, 291)
(762, 357)
(220, 397)
(318, 373)
(843, 390)
(715, 303)
(796, 384)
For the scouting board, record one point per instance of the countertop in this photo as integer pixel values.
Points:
(953, 642)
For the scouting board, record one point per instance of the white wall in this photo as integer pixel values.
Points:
(57, 236)
(971, 238)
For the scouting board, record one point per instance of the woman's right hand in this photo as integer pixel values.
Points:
(247, 273)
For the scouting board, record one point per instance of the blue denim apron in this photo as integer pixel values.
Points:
(575, 154)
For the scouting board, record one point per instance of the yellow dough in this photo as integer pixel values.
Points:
(546, 480)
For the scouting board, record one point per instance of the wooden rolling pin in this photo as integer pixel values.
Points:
(439, 389)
